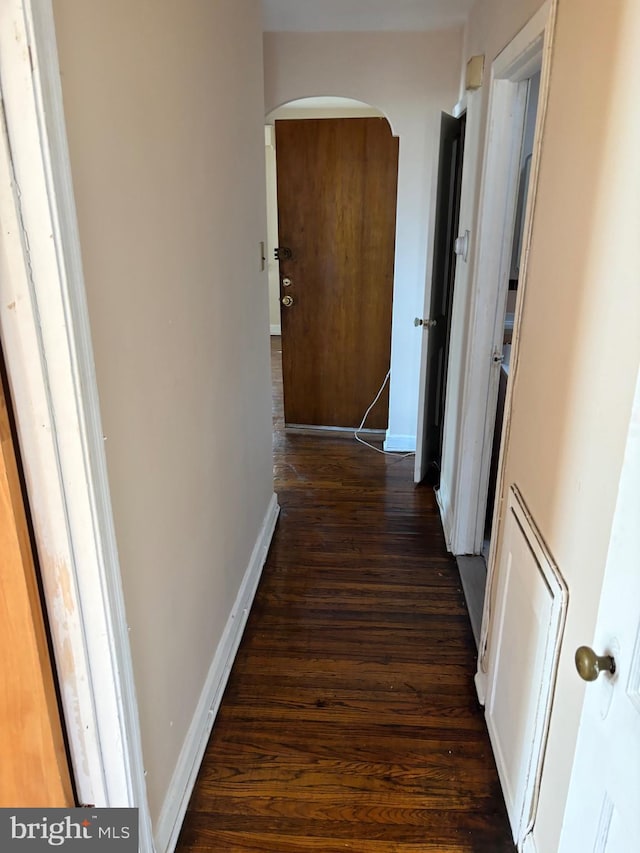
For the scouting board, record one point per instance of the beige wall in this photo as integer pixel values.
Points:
(491, 26)
(165, 115)
(411, 78)
(580, 346)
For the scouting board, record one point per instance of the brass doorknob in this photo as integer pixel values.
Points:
(287, 301)
(590, 665)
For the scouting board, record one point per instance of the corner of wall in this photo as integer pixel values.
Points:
(186, 771)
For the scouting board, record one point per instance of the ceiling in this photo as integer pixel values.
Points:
(363, 15)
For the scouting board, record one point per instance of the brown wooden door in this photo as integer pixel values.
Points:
(337, 186)
(33, 763)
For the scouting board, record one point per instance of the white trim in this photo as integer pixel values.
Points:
(184, 777)
(495, 234)
(459, 313)
(515, 346)
(530, 48)
(461, 107)
(529, 844)
(517, 61)
(49, 358)
(480, 682)
(444, 505)
(399, 443)
(521, 796)
(276, 329)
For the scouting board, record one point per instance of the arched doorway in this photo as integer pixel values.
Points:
(332, 275)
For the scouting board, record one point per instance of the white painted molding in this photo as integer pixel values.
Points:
(195, 744)
(444, 505)
(480, 681)
(548, 22)
(492, 256)
(516, 58)
(529, 844)
(49, 357)
(460, 107)
(530, 48)
(276, 329)
(400, 443)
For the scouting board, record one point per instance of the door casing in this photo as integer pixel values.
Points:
(46, 336)
(469, 433)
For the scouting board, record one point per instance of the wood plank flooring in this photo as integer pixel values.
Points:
(350, 720)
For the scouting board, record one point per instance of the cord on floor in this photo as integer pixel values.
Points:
(366, 415)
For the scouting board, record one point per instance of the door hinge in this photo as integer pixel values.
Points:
(497, 356)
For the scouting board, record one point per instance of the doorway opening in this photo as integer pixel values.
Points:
(509, 206)
(507, 199)
(504, 357)
(332, 169)
(437, 326)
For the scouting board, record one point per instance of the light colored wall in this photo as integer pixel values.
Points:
(411, 78)
(165, 116)
(491, 26)
(580, 347)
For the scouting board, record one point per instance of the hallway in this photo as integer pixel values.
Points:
(350, 720)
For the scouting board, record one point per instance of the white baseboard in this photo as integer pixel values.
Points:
(400, 443)
(444, 505)
(276, 329)
(191, 755)
(480, 681)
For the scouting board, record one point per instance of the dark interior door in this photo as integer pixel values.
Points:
(337, 187)
(444, 271)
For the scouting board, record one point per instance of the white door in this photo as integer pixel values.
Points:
(603, 807)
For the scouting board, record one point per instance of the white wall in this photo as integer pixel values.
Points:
(165, 116)
(411, 78)
(580, 349)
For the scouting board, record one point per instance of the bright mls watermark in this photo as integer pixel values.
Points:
(86, 830)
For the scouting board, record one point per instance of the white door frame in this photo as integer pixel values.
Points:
(47, 344)
(529, 51)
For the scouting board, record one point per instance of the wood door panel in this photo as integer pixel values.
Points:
(35, 771)
(337, 186)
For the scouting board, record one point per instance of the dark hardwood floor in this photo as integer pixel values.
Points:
(350, 720)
